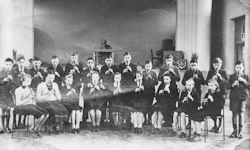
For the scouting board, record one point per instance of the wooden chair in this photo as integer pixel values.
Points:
(158, 58)
(222, 116)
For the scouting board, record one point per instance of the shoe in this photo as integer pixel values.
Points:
(92, 129)
(218, 130)
(136, 130)
(8, 130)
(183, 135)
(213, 129)
(140, 130)
(38, 134)
(73, 130)
(97, 128)
(233, 134)
(153, 131)
(172, 133)
(77, 131)
(1, 131)
(240, 136)
(55, 131)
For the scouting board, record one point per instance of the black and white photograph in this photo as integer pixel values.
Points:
(124, 74)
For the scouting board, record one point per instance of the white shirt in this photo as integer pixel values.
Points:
(23, 96)
(43, 94)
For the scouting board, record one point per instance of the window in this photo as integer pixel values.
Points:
(239, 37)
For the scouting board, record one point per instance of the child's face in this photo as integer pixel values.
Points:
(26, 82)
(74, 58)
(50, 78)
(193, 66)
(148, 66)
(217, 66)
(37, 63)
(211, 86)
(21, 62)
(166, 79)
(189, 85)
(90, 63)
(95, 77)
(169, 61)
(139, 68)
(108, 61)
(69, 81)
(139, 76)
(8, 65)
(55, 61)
(117, 78)
(239, 68)
(127, 58)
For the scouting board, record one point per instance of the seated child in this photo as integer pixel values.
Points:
(70, 99)
(189, 102)
(95, 96)
(212, 105)
(139, 104)
(26, 104)
(166, 97)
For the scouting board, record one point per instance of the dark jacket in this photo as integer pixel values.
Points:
(35, 79)
(149, 82)
(127, 77)
(223, 83)
(190, 105)
(58, 69)
(198, 81)
(174, 77)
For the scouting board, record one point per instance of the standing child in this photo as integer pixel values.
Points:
(239, 86)
(166, 97)
(149, 82)
(189, 102)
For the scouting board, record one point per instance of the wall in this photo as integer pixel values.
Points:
(16, 28)
(134, 25)
(233, 9)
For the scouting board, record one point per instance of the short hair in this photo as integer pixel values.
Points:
(50, 71)
(90, 58)
(108, 57)
(117, 74)
(31, 60)
(217, 60)
(190, 80)
(127, 53)
(215, 82)
(148, 62)
(9, 60)
(24, 77)
(166, 74)
(36, 59)
(238, 63)
(74, 53)
(139, 72)
(68, 76)
(54, 57)
(20, 58)
(169, 56)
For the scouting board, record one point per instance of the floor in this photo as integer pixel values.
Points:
(121, 140)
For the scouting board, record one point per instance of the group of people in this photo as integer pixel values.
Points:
(123, 94)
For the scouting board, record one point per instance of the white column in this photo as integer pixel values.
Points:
(23, 31)
(193, 29)
(6, 28)
(16, 28)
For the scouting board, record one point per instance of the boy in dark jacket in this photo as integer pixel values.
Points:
(239, 86)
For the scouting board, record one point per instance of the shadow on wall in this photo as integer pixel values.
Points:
(132, 25)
